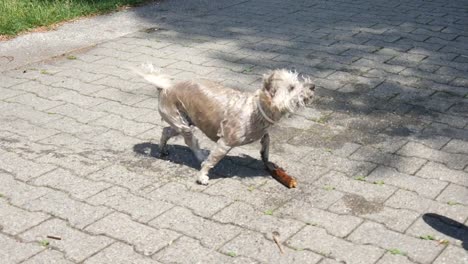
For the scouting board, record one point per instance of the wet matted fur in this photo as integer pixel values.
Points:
(229, 117)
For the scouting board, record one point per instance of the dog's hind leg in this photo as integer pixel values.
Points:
(167, 133)
(264, 152)
(215, 156)
(192, 142)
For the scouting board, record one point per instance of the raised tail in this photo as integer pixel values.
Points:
(154, 76)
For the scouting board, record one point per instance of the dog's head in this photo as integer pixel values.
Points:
(287, 91)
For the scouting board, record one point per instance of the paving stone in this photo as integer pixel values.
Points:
(15, 220)
(8, 93)
(456, 146)
(409, 200)
(78, 99)
(7, 81)
(447, 131)
(40, 89)
(18, 192)
(24, 128)
(124, 97)
(78, 187)
(317, 240)
(454, 161)
(257, 247)
(452, 255)
(127, 127)
(201, 203)
(404, 164)
(373, 192)
(126, 112)
(120, 175)
(345, 165)
(116, 140)
(69, 125)
(433, 170)
(429, 188)
(76, 245)
(245, 215)
(199, 254)
(454, 193)
(48, 256)
(119, 253)
(234, 190)
(440, 228)
(114, 82)
(389, 258)
(23, 169)
(211, 234)
(337, 225)
(60, 205)
(138, 207)
(75, 112)
(395, 219)
(145, 239)
(78, 86)
(34, 101)
(13, 251)
(26, 112)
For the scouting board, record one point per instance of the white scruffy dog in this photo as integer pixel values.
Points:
(229, 117)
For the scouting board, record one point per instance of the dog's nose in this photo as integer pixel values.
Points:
(312, 87)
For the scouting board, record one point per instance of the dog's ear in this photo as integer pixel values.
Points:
(268, 83)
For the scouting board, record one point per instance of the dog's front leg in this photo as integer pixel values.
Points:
(264, 152)
(215, 156)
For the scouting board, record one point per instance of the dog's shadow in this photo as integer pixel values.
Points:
(229, 166)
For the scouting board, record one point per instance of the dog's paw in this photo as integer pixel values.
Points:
(203, 180)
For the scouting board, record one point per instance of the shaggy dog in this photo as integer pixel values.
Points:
(229, 117)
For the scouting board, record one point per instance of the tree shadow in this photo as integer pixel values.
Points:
(240, 166)
(448, 227)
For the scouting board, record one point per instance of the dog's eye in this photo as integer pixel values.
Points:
(291, 87)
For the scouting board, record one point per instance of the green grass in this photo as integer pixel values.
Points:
(21, 15)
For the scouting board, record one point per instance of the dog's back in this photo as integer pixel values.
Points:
(202, 103)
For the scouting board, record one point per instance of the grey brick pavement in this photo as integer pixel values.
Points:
(381, 157)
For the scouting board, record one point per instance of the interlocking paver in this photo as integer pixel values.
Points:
(452, 255)
(60, 205)
(317, 240)
(76, 245)
(15, 220)
(119, 253)
(146, 240)
(76, 186)
(423, 187)
(258, 247)
(13, 251)
(211, 234)
(424, 251)
(395, 219)
(138, 207)
(48, 256)
(380, 156)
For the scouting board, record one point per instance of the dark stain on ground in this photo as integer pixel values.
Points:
(359, 205)
(9, 140)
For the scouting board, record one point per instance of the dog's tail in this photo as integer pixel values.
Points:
(154, 76)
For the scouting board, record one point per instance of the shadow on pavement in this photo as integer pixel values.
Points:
(448, 227)
(241, 166)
